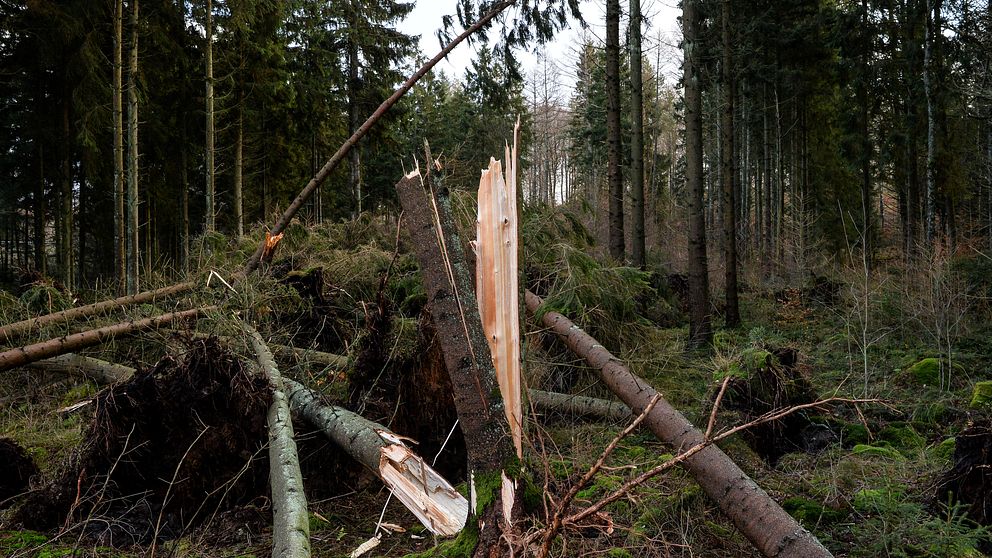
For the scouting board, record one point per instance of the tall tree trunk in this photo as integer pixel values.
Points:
(932, 36)
(636, 138)
(867, 219)
(40, 211)
(120, 249)
(354, 121)
(210, 211)
(239, 170)
(700, 332)
(66, 193)
(614, 178)
(184, 204)
(132, 157)
(733, 313)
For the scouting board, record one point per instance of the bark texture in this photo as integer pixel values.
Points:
(290, 518)
(772, 531)
(10, 332)
(727, 172)
(454, 309)
(637, 250)
(53, 347)
(100, 371)
(614, 178)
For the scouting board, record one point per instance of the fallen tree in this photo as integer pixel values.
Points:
(772, 531)
(265, 248)
(61, 345)
(421, 489)
(11, 331)
(578, 405)
(100, 371)
(290, 517)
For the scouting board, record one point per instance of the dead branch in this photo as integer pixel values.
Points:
(362, 130)
(578, 405)
(61, 345)
(290, 518)
(11, 331)
(772, 531)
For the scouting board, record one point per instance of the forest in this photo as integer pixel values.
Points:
(275, 280)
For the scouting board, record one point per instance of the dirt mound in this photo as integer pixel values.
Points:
(165, 452)
(16, 470)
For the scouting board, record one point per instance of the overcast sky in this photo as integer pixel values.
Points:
(661, 29)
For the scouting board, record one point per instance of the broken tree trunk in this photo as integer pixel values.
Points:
(496, 285)
(578, 405)
(772, 531)
(100, 371)
(421, 489)
(453, 307)
(342, 151)
(11, 331)
(61, 345)
(290, 517)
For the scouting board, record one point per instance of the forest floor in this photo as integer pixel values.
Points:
(865, 478)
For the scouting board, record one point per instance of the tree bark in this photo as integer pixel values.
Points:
(210, 214)
(426, 494)
(700, 332)
(239, 164)
(733, 313)
(53, 347)
(11, 331)
(120, 246)
(636, 139)
(99, 371)
(339, 155)
(578, 405)
(772, 531)
(290, 517)
(131, 280)
(932, 36)
(614, 176)
(454, 309)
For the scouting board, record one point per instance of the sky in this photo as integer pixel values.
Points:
(661, 31)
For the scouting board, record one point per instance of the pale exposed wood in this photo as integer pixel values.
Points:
(53, 347)
(419, 487)
(11, 331)
(496, 283)
(290, 518)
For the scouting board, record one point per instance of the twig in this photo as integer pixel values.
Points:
(168, 490)
(716, 407)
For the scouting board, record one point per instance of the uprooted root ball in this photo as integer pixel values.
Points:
(16, 470)
(166, 451)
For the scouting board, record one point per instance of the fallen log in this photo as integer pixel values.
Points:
(772, 531)
(578, 405)
(455, 312)
(415, 483)
(11, 331)
(290, 517)
(100, 371)
(337, 362)
(53, 347)
(264, 248)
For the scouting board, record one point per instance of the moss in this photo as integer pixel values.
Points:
(79, 392)
(945, 449)
(12, 541)
(757, 359)
(619, 553)
(809, 512)
(461, 546)
(877, 451)
(925, 372)
(981, 395)
(901, 437)
(854, 433)
(44, 298)
(875, 499)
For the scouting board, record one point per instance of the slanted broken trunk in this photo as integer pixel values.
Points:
(290, 518)
(454, 309)
(61, 345)
(421, 489)
(772, 531)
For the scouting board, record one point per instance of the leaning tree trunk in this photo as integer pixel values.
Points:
(290, 517)
(61, 345)
(772, 531)
(454, 309)
(415, 483)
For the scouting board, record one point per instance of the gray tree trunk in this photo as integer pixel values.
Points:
(929, 84)
(733, 315)
(614, 176)
(120, 245)
(636, 138)
(131, 282)
(210, 211)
